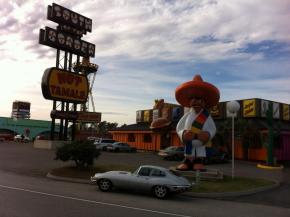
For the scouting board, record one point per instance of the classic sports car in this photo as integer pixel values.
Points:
(158, 180)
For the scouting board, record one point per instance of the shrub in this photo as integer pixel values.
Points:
(82, 153)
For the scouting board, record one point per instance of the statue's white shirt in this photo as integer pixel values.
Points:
(185, 123)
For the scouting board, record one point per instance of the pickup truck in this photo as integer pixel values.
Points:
(101, 144)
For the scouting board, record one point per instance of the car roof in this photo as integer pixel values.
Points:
(154, 167)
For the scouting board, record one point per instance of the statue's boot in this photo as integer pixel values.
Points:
(185, 166)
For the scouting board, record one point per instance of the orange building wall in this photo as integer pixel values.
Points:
(139, 143)
(122, 136)
(259, 154)
(175, 139)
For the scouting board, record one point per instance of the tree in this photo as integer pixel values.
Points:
(104, 127)
(83, 153)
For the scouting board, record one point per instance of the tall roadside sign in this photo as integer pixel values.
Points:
(67, 88)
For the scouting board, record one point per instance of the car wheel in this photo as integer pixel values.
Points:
(117, 150)
(105, 185)
(160, 191)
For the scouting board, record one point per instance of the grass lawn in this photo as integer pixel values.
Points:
(215, 186)
(227, 184)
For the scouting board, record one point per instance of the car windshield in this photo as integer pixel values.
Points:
(174, 172)
(170, 148)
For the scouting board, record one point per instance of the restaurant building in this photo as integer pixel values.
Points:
(251, 129)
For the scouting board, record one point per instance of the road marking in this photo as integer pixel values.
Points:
(92, 201)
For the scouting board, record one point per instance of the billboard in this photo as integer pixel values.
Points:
(77, 115)
(264, 108)
(89, 116)
(249, 108)
(67, 35)
(285, 112)
(276, 110)
(139, 116)
(58, 84)
(64, 16)
(176, 113)
(147, 115)
(217, 111)
(20, 109)
(67, 42)
(21, 106)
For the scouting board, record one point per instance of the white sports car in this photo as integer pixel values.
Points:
(158, 180)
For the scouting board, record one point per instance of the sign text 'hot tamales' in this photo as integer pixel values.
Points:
(61, 85)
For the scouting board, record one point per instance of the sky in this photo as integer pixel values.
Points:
(146, 48)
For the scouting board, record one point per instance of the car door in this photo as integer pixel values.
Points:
(121, 147)
(141, 179)
(126, 147)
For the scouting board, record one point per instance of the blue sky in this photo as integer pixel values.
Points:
(146, 48)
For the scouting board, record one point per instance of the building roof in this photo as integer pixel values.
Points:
(259, 123)
(134, 127)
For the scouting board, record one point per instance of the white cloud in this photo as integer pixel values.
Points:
(146, 48)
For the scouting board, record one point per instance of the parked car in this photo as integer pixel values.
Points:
(120, 147)
(158, 180)
(21, 138)
(172, 153)
(101, 144)
(92, 138)
(213, 155)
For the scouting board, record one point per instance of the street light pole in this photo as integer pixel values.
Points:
(233, 107)
(233, 146)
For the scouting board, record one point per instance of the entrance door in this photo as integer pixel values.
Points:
(165, 140)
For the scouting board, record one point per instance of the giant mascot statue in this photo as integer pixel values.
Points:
(196, 128)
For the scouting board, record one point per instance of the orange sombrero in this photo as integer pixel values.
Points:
(197, 87)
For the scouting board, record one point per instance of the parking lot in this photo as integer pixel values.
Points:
(23, 158)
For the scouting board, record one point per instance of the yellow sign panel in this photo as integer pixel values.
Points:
(217, 111)
(58, 84)
(249, 108)
(286, 112)
(147, 116)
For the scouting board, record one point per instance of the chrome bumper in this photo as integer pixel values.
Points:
(180, 188)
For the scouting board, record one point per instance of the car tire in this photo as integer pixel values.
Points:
(161, 192)
(105, 185)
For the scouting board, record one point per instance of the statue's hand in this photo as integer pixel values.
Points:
(203, 136)
(188, 135)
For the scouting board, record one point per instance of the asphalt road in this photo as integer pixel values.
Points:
(34, 196)
(24, 191)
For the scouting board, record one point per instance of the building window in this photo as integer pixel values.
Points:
(131, 137)
(147, 138)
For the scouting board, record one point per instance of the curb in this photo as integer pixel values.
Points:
(189, 194)
(235, 194)
(75, 180)
(261, 166)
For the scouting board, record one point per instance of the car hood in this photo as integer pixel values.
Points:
(113, 173)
